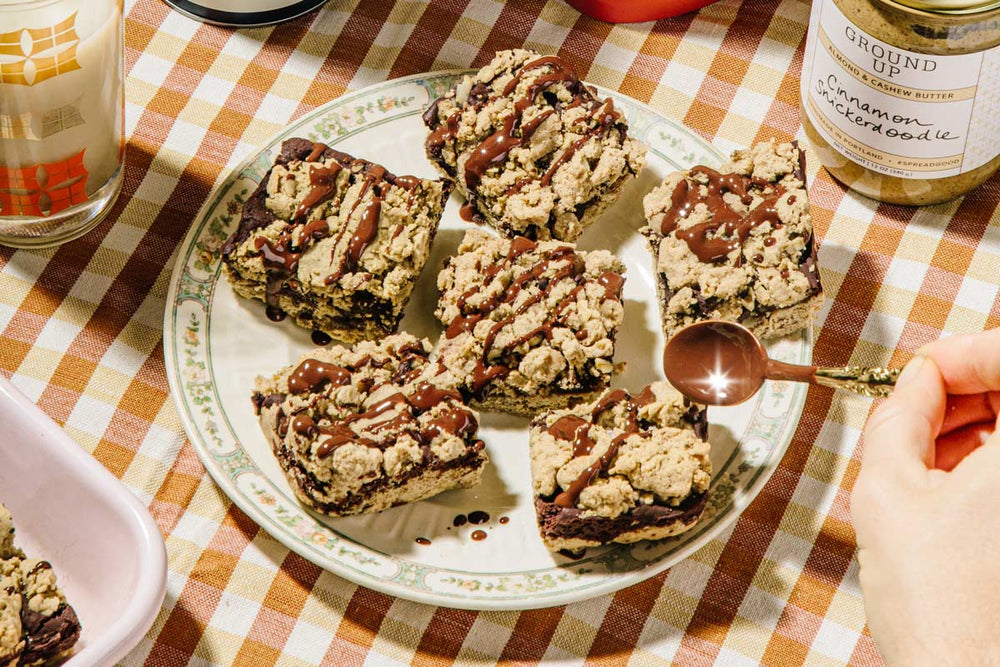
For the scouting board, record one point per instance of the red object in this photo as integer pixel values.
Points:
(636, 11)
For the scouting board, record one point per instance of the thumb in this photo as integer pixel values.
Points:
(900, 434)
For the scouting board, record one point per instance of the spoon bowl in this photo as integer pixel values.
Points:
(715, 362)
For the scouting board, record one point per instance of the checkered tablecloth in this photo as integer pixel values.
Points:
(81, 334)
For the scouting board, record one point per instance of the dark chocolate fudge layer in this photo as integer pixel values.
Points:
(534, 150)
(361, 429)
(737, 244)
(334, 241)
(621, 469)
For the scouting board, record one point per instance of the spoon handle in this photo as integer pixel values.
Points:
(871, 382)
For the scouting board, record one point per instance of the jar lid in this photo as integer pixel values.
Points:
(952, 6)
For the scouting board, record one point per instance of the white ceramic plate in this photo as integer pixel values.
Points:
(216, 343)
(69, 510)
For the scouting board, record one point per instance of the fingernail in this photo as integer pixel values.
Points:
(910, 371)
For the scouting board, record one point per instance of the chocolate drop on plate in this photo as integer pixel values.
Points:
(459, 521)
(422, 541)
(274, 313)
(478, 517)
(504, 520)
(478, 535)
(467, 212)
(321, 338)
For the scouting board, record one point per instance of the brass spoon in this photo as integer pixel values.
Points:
(723, 363)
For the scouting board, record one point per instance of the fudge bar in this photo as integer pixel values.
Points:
(535, 151)
(335, 242)
(37, 626)
(359, 429)
(621, 469)
(530, 324)
(736, 244)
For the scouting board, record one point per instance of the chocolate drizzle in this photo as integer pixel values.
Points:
(377, 181)
(312, 374)
(456, 420)
(278, 256)
(645, 397)
(605, 117)
(426, 396)
(39, 567)
(487, 367)
(314, 231)
(612, 283)
(280, 261)
(324, 185)
(727, 230)
(281, 256)
(318, 149)
(561, 72)
(493, 151)
(336, 435)
(339, 436)
(485, 372)
(569, 497)
(367, 226)
(575, 430)
(444, 132)
(410, 183)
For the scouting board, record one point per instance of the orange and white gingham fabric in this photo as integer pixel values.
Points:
(80, 333)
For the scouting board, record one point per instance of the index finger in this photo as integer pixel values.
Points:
(969, 363)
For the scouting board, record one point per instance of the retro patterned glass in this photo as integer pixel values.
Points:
(62, 139)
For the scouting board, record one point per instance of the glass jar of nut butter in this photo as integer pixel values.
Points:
(901, 98)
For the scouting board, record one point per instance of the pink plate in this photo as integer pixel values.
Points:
(69, 510)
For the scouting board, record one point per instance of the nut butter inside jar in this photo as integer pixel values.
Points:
(899, 97)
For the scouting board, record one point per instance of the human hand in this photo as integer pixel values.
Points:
(926, 508)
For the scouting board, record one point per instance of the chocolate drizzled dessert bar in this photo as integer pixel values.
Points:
(621, 469)
(737, 244)
(37, 626)
(530, 325)
(535, 151)
(360, 429)
(334, 241)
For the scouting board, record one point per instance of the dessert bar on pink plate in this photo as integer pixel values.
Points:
(69, 510)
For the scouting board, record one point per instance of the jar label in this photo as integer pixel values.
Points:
(900, 113)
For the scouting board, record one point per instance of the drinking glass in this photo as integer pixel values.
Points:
(62, 136)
